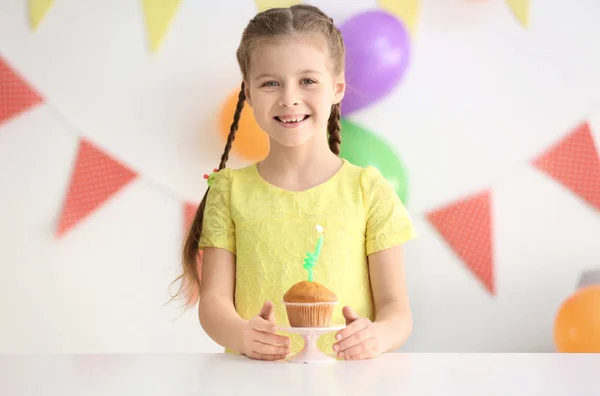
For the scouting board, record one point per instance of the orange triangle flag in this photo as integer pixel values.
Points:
(574, 162)
(466, 225)
(96, 177)
(16, 96)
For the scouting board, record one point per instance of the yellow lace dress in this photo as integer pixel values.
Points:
(270, 229)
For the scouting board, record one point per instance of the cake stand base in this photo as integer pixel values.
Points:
(311, 353)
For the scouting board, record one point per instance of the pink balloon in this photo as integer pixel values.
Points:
(377, 56)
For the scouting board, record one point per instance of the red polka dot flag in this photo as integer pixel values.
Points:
(189, 211)
(96, 178)
(16, 96)
(466, 225)
(574, 162)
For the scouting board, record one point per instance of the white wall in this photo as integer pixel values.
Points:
(481, 97)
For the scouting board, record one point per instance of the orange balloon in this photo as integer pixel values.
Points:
(251, 142)
(577, 324)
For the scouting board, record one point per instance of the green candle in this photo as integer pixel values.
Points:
(318, 248)
(311, 257)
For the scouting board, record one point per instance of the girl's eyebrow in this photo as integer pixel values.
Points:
(263, 76)
(307, 71)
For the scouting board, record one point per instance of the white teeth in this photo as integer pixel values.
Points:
(296, 119)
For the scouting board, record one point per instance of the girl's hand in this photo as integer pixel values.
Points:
(359, 340)
(260, 340)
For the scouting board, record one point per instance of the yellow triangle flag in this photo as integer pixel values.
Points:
(159, 14)
(266, 4)
(520, 9)
(405, 10)
(37, 11)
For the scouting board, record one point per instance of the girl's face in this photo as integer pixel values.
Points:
(291, 88)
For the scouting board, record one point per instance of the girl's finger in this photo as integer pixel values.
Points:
(267, 349)
(261, 324)
(354, 339)
(352, 328)
(364, 355)
(271, 338)
(359, 349)
(258, 356)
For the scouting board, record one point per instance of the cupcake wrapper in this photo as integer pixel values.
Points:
(309, 314)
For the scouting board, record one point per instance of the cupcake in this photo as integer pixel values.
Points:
(309, 304)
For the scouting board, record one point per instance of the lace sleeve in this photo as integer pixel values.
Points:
(218, 229)
(388, 222)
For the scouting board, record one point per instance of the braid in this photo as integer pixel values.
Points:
(234, 127)
(191, 281)
(334, 128)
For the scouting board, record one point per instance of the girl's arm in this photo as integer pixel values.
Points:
(362, 338)
(393, 320)
(216, 311)
(255, 338)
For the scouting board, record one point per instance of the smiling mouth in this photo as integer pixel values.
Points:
(292, 120)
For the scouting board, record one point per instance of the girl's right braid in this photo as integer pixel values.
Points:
(234, 126)
(334, 128)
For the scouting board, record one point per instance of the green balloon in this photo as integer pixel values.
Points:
(363, 148)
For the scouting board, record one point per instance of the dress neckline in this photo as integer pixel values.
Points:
(307, 190)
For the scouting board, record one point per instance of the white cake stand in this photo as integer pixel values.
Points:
(311, 353)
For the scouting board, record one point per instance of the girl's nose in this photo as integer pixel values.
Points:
(288, 98)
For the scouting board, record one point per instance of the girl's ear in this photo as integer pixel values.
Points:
(247, 93)
(339, 89)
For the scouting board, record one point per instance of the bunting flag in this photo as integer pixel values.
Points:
(189, 211)
(405, 10)
(266, 4)
(466, 225)
(37, 11)
(574, 162)
(16, 96)
(158, 15)
(520, 9)
(96, 177)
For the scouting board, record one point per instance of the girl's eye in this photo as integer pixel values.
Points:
(269, 84)
(307, 81)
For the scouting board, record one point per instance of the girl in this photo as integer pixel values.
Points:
(255, 224)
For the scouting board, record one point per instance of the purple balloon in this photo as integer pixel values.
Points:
(377, 55)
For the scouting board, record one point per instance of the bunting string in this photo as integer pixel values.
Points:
(465, 224)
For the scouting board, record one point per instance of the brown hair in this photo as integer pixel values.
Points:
(271, 24)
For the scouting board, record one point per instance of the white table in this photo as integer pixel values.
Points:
(221, 374)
